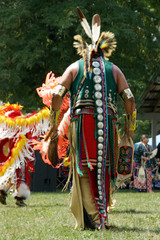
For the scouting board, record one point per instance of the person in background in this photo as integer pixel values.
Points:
(156, 174)
(143, 165)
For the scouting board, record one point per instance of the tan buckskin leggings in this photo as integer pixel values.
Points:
(87, 198)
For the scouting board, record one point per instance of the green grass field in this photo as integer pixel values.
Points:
(47, 216)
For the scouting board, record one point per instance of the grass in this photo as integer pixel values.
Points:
(47, 216)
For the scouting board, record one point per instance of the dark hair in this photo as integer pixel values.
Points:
(144, 136)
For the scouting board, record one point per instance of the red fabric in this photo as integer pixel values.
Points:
(27, 173)
(3, 158)
(91, 142)
(14, 114)
(19, 177)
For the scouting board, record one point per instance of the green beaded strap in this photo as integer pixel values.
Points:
(53, 138)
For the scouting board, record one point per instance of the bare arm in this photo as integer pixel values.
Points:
(121, 85)
(69, 75)
(66, 81)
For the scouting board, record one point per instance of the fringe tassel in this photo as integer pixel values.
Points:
(79, 123)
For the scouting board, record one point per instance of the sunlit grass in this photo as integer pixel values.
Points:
(47, 216)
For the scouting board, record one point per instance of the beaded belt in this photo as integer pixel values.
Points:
(79, 111)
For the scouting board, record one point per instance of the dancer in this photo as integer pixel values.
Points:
(93, 83)
(16, 149)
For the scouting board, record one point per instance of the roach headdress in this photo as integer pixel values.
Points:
(101, 45)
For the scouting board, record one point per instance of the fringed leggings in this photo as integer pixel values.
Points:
(88, 184)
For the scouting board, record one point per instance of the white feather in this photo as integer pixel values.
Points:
(86, 27)
(95, 32)
(96, 25)
(23, 191)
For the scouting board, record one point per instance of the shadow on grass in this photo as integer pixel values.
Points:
(136, 191)
(36, 206)
(135, 229)
(132, 211)
(58, 191)
(48, 205)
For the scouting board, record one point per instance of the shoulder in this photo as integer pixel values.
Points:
(139, 147)
(68, 75)
(119, 79)
(117, 72)
(73, 67)
(71, 70)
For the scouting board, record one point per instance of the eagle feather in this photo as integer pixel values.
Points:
(96, 26)
(84, 23)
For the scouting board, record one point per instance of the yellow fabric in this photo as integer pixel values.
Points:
(81, 189)
(76, 199)
(133, 121)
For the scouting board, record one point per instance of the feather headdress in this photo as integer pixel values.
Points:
(101, 45)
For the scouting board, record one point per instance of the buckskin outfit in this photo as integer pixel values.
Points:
(95, 122)
(93, 132)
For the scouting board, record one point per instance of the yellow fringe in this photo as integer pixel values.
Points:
(24, 121)
(15, 153)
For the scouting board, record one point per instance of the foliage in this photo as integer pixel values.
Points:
(36, 37)
(48, 216)
(142, 127)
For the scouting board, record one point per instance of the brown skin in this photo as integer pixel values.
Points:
(70, 74)
(66, 80)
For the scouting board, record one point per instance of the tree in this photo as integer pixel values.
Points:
(36, 36)
(142, 127)
(32, 42)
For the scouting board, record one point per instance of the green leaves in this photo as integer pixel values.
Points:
(36, 37)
